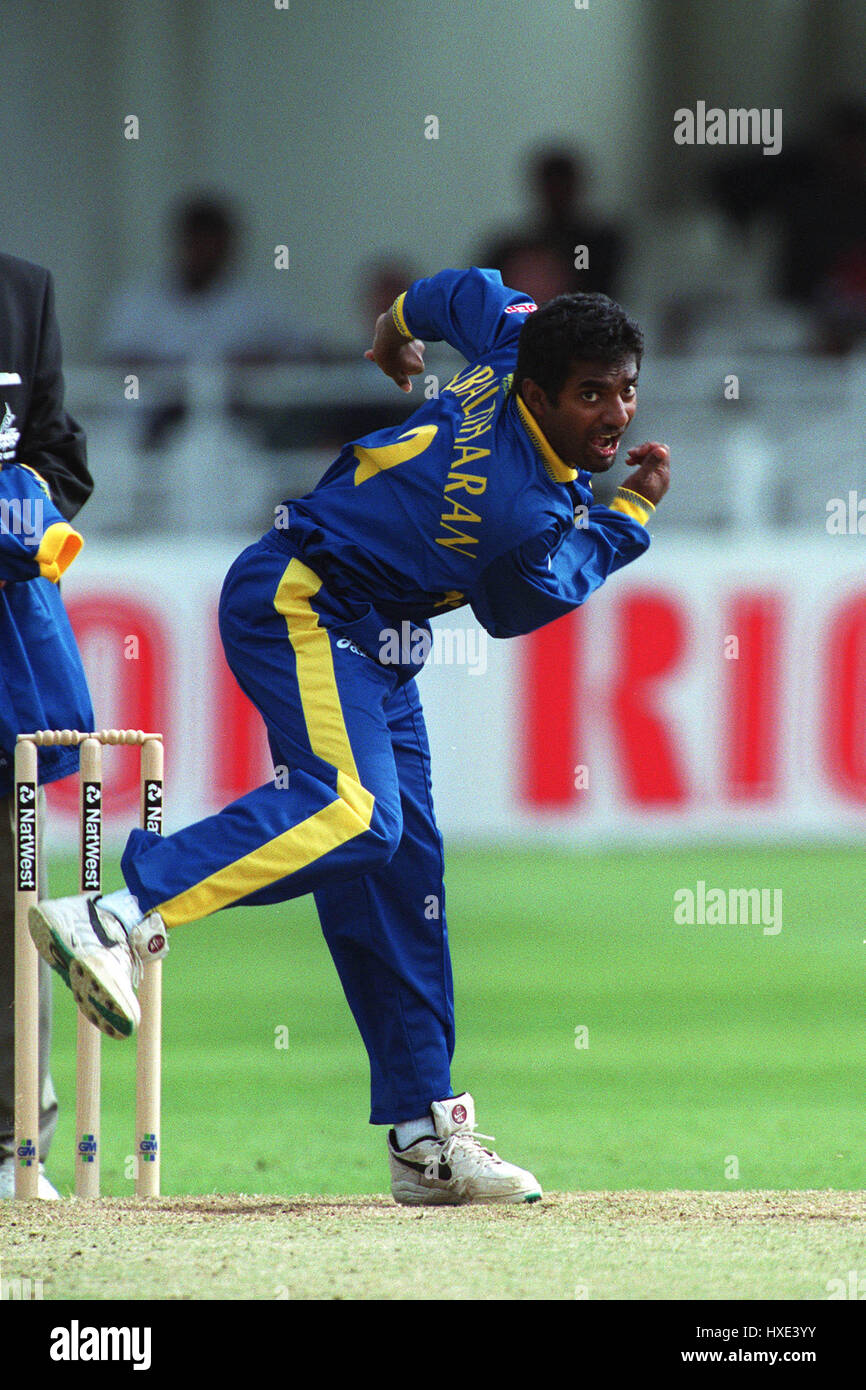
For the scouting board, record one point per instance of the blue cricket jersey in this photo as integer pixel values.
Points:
(465, 502)
(42, 681)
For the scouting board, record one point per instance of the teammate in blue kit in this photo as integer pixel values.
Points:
(483, 498)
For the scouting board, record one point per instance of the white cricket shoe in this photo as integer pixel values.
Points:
(46, 1191)
(452, 1167)
(93, 954)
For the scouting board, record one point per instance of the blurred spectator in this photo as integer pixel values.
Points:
(536, 269)
(382, 280)
(548, 245)
(199, 311)
(815, 192)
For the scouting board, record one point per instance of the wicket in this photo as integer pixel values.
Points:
(88, 1075)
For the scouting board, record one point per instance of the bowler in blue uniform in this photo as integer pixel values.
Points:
(483, 498)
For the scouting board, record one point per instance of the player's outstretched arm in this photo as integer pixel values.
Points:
(551, 575)
(396, 355)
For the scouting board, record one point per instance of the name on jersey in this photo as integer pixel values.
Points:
(476, 388)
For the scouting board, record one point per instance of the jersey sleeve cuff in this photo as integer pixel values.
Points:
(57, 549)
(632, 504)
(399, 317)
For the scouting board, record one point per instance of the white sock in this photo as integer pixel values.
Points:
(410, 1131)
(125, 906)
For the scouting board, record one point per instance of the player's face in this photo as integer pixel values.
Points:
(595, 407)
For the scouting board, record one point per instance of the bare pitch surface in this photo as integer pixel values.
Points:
(614, 1245)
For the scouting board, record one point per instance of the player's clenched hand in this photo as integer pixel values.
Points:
(398, 357)
(652, 476)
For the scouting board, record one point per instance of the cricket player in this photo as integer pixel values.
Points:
(483, 497)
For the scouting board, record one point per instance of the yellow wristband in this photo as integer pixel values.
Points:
(632, 504)
(398, 318)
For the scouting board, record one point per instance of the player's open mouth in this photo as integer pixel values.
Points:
(605, 445)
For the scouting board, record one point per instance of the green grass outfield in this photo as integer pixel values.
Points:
(708, 1143)
(718, 1057)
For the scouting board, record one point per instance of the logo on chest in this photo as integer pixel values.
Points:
(9, 436)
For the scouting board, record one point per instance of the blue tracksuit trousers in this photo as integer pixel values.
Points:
(347, 817)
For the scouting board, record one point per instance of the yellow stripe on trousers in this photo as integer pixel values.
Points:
(335, 824)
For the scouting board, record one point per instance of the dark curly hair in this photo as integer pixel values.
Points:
(570, 328)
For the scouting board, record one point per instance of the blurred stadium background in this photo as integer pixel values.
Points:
(713, 694)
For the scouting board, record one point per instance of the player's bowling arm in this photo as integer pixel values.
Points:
(470, 309)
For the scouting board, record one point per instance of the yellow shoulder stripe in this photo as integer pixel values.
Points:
(323, 830)
(39, 478)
